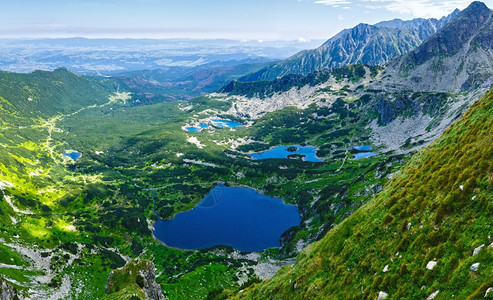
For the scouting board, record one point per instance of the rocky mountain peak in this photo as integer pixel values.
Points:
(458, 57)
(451, 38)
(476, 7)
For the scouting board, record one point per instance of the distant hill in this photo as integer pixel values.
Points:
(184, 83)
(362, 44)
(43, 94)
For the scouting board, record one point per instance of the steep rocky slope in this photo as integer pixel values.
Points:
(457, 58)
(362, 44)
(428, 233)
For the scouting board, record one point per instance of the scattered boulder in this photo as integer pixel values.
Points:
(477, 250)
(474, 267)
(488, 291)
(382, 295)
(433, 295)
(431, 264)
(386, 268)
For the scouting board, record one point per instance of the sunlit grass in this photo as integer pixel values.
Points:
(37, 228)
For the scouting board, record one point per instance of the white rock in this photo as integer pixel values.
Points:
(488, 292)
(386, 268)
(431, 264)
(477, 250)
(474, 267)
(433, 295)
(382, 295)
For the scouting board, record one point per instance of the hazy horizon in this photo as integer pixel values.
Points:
(287, 20)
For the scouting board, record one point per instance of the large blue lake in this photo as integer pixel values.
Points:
(309, 153)
(231, 216)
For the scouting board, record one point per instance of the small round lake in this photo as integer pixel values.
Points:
(74, 155)
(230, 216)
(308, 152)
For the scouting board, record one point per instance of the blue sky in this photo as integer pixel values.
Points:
(234, 19)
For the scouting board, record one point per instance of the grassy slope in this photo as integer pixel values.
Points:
(445, 225)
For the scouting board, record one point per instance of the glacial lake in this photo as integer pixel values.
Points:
(217, 122)
(74, 155)
(309, 153)
(230, 216)
(364, 155)
(221, 123)
(192, 129)
(362, 148)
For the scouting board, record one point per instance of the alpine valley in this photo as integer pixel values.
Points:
(381, 140)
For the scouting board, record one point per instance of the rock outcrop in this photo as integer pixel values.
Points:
(137, 275)
(7, 292)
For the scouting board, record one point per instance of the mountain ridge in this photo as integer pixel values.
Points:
(364, 44)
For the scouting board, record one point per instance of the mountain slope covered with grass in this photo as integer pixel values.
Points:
(429, 231)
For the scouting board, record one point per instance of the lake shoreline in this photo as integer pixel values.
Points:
(235, 216)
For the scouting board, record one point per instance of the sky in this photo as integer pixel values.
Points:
(301, 20)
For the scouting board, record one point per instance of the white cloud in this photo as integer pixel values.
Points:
(303, 40)
(414, 9)
(419, 8)
(334, 3)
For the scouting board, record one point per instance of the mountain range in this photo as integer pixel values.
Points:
(362, 44)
